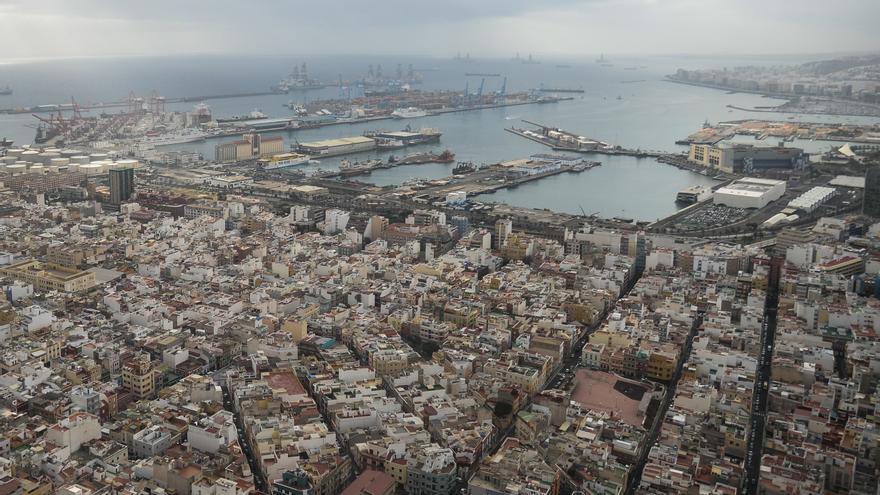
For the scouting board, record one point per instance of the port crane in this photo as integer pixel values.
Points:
(57, 124)
(502, 93)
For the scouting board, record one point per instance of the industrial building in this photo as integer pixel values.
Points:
(249, 147)
(740, 157)
(749, 192)
(812, 199)
(334, 147)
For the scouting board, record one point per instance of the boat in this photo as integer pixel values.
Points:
(693, 194)
(389, 143)
(255, 114)
(445, 157)
(6, 143)
(464, 168)
(348, 168)
(284, 160)
(181, 137)
(408, 113)
(562, 90)
(6, 90)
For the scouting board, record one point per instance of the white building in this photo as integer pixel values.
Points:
(150, 441)
(74, 430)
(749, 192)
(335, 221)
(34, 318)
(456, 198)
(214, 433)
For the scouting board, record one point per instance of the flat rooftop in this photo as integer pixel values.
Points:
(330, 143)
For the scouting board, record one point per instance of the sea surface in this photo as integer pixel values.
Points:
(627, 103)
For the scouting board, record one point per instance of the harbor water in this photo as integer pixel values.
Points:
(627, 104)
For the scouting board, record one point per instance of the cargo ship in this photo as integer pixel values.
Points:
(408, 113)
(284, 160)
(693, 194)
(430, 157)
(561, 90)
(254, 115)
(464, 168)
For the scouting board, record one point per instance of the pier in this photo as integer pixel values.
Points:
(560, 140)
(488, 180)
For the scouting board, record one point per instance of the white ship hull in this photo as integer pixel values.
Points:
(288, 163)
(408, 113)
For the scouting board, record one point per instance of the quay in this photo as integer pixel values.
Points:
(54, 107)
(488, 179)
(560, 140)
(368, 166)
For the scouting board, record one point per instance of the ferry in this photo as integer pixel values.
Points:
(408, 113)
(255, 114)
(388, 143)
(693, 194)
(284, 160)
(181, 137)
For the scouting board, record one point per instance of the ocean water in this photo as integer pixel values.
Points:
(649, 114)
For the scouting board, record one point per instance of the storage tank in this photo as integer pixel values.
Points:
(47, 156)
(16, 168)
(129, 163)
(96, 157)
(59, 162)
(69, 152)
(9, 159)
(81, 159)
(92, 168)
(30, 155)
(14, 152)
(37, 168)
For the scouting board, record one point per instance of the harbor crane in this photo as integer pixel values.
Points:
(502, 93)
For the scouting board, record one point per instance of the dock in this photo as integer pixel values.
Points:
(560, 140)
(488, 180)
(370, 166)
(49, 108)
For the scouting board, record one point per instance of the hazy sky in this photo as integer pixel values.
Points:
(62, 28)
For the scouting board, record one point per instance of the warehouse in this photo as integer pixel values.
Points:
(749, 192)
(341, 146)
(812, 199)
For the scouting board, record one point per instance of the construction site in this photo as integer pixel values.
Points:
(786, 131)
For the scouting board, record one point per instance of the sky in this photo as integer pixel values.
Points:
(441, 28)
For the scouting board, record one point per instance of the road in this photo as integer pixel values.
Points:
(259, 479)
(758, 420)
(635, 473)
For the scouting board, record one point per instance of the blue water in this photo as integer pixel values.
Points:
(651, 114)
